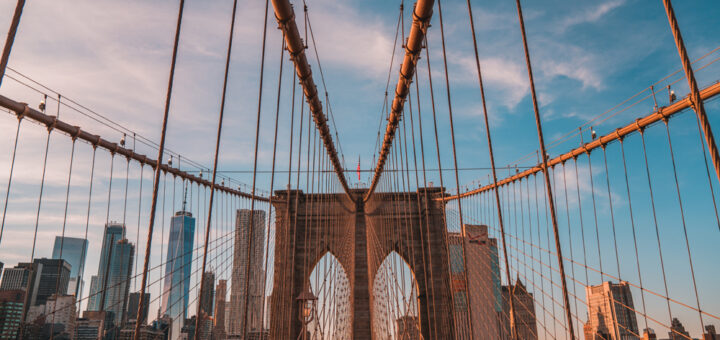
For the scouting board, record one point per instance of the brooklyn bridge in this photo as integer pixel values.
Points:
(174, 170)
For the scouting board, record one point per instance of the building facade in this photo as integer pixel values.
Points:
(112, 282)
(134, 303)
(238, 293)
(11, 309)
(23, 277)
(74, 251)
(220, 302)
(484, 277)
(178, 268)
(677, 330)
(53, 277)
(61, 310)
(611, 313)
(524, 305)
(208, 297)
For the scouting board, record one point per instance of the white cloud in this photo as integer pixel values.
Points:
(589, 15)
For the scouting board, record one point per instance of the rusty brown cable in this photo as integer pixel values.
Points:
(156, 180)
(457, 178)
(695, 98)
(11, 38)
(439, 161)
(272, 176)
(199, 315)
(426, 199)
(546, 176)
(684, 225)
(513, 329)
(421, 21)
(10, 177)
(251, 223)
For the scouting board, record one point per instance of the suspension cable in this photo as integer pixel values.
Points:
(544, 156)
(513, 329)
(11, 38)
(156, 181)
(198, 315)
(421, 21)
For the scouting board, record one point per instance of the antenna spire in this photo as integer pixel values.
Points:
(184, 198)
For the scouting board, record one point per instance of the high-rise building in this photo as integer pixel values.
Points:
(112, 283)
(74, 251)
(524, 306)
(53, 278)
(610, 312)
(220, 296)
(238, 293)
(710, 333)
(407, 328)
(207, 300)
(93, 325)
(11, 309)
(178, 267)
(484, 277)
(134, 303)
(23, 277)
(61, 310)
(677, 330)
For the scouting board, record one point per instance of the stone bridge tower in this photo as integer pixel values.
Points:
(409, 223)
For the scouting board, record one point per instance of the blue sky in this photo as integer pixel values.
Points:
(588, 56)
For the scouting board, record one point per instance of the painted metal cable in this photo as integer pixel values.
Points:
(546, 176)
(156, 180)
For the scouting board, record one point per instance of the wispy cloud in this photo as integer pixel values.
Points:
(591, 14)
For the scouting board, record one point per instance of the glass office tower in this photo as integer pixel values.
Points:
(112, 280)
(74, 251)
(178, 267)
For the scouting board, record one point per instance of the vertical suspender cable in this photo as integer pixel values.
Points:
(62, 235)
(695, 99)
(513, 330)
(272, 177)
(42, 186)
(156, 180)
(12, 167)
(251, 222)
(544, 158)
(457, 180)
(11, 38)
(198, 315)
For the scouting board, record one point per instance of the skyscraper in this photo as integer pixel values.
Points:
(111, 284)
(11, 309)
(178, 267)
(206, 305)
(677, 330)
(134, 303)
(74, 251)
(484, 283)
(524, 306)
(53, 278)
(608, 318)
(220, 296)
(23, 277)
(60, 310)
(710, 333)
(256, 245)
